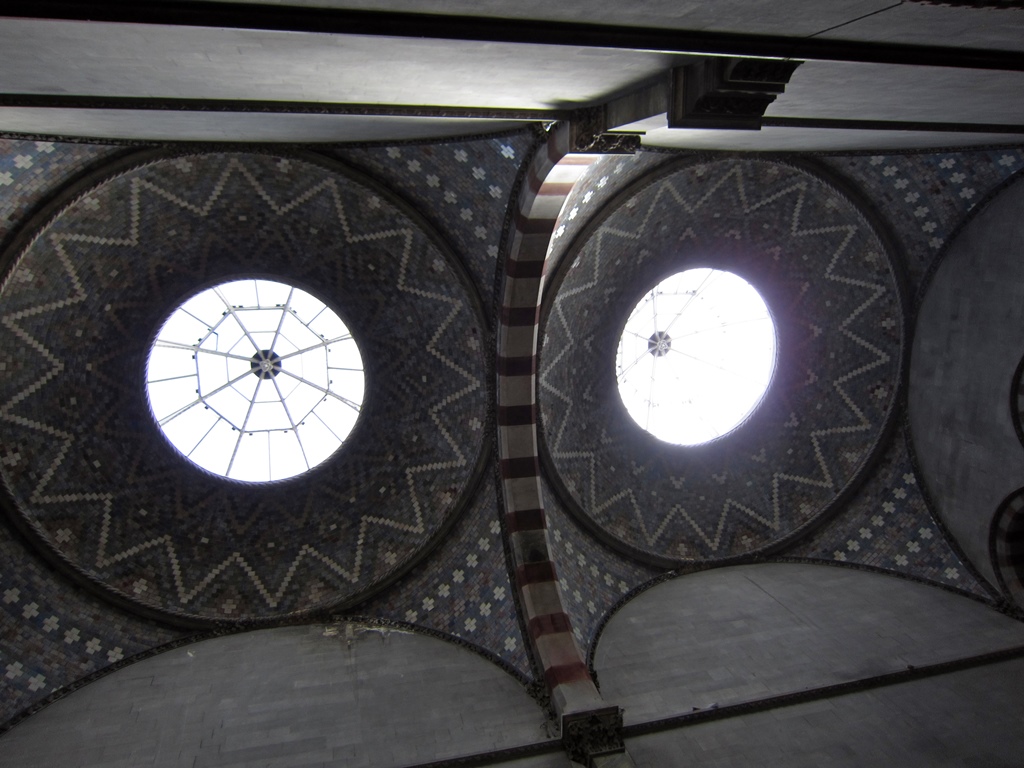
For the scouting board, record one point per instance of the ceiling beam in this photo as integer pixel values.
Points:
(619, 114)
(668, 101)
(147, 103)
(188, 13)
(889, 125)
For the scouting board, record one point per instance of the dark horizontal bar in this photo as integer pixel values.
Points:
(536, 573)
(560, 674)
(517, 415)
(1006, 5)
(519, 316)
(889, 125)
(48, 101)
(910, 674)
(242, 106)
(526, 520)
(549, 624)
(517, 366)
(471, 28)
(508, 754)
(528, 466)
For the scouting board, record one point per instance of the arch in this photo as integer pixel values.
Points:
(331, 693)
(965, 351)
(1007, 546)
(970, 717)
(551, 176)
(743, 633)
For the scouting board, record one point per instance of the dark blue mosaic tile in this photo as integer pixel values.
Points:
(462, 589)
(592, 578)
(52, 633)
(829, 282)
(887, 525)
(30, 170)
(95, 479)
(462, 188)
(925, 196)
(600, 182)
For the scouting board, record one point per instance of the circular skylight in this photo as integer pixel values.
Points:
(696, 356)
(255, 380)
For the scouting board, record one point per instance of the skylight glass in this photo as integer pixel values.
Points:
(696, 356)
(255, 380)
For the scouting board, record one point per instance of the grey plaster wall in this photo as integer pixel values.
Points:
(967, 344)
(969, 719)
(339, 695)
(848, 20)
(739, 634)
(206, 62)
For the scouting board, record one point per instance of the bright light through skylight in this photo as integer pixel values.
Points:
(696, 356)
(255, 380)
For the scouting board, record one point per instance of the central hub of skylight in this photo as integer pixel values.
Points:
(255, 380)
(696, 356)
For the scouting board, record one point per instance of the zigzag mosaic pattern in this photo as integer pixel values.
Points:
(924, 196)
(600, 182)
(52, 634)
(887, 525)
(462, 589)
(29, 170)
(829, 283)
(460, 187)
(113, 498)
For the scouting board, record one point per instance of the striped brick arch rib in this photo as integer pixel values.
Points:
(552, 174)
(1007, 546)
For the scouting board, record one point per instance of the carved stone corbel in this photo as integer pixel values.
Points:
(729, 93)
(591, 738)
(587, 134)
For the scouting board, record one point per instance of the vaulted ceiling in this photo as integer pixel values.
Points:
(483, 190)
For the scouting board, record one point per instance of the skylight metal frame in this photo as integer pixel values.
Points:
(263, 342)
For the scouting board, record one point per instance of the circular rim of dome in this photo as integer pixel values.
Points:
(1017, 400)
(756, 374)
(1007, 556)
(476, 451)
(652, 450)
(214, 385)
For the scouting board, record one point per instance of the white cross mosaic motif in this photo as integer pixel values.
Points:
(834, 292)
(344, 533)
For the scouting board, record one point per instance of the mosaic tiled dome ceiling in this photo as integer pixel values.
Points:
(830, 283)
(94, 481)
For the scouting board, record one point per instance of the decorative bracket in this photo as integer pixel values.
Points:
(594, 739)
(588, 134)
(726, 93)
